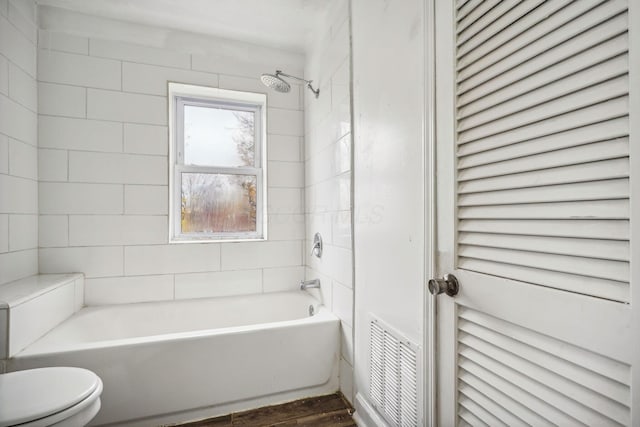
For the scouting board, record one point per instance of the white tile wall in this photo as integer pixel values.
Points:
(4, 154)
(4, 75)
(62, 42)
(343, 302)
(15, 46)
(327, 169)
(17, 265)
(281, 279)
(246, 65)
(241, 256)
(103, 168)
(152, 80)
(106, 230)
(79, 70)
(53, 231)
(125, 290)
(53, 165)
(117, 168)
(285, 200)
(23, 88)
(73, 198)
(286, 227)
(126, 107)
(99, 261)
(23, 15)
(136, 53)
(285, 148)
(285, 174)
(167, 259)
(18, 195)
(4, 233)
(146, 139)
(62, 100)
(79, 134)
(17, 121)
(24, 232)
(218, 284)
(23, 160)
(146, 200)
(285, 122)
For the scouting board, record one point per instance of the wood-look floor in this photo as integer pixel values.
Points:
(332, 410)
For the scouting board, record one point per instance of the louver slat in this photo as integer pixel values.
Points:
(543, 148)
(601, 365)
(604, 249)
(471, 26)
(502, 416)
(612, 390)
(517, 393)
(480, 9)
(497, 90)
(528, 14)
(540, 373)
(607, 20)
(586, 172)
(504, 400)
(556, 92)
(579, 228)
(596, 209)
(592, 286)
(604, 111)
(595, 190)
(563, 105)
(466, 7)
(481, 33)
(585, 154)
(578, 137)
(468, 419)
(591, 267)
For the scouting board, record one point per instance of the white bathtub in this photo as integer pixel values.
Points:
(176, 361)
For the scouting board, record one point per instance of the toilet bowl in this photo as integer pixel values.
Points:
(57, 396)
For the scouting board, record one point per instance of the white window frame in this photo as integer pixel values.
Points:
(183, 94)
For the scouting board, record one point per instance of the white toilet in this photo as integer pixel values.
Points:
(57, 396)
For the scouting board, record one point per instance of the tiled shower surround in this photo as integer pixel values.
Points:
(328, 174)
(103, 171)
(18, 141)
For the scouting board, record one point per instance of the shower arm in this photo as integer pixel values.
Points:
(316, 92)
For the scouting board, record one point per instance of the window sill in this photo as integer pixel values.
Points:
(197, 241)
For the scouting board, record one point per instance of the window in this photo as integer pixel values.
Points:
(217, 189)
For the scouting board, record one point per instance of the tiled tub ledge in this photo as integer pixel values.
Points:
(31, 307)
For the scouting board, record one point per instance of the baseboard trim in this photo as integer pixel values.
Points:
(365, 415)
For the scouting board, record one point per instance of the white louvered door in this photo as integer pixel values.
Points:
(537, 118)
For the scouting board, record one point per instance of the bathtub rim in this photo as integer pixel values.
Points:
(323, 314)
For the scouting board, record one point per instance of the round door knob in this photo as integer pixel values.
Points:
(448, 285)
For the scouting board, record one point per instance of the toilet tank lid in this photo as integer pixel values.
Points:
(37, 393)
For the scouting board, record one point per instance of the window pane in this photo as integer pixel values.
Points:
(217, 203)
(218, 137)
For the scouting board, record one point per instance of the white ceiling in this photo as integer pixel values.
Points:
(283, 24)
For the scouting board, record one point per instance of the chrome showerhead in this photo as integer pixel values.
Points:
(274, 81)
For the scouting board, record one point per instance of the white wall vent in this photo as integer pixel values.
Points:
(393, 374)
